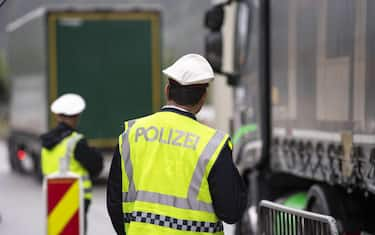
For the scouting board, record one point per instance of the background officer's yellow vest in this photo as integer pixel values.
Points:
(166, 160)
(51, 161)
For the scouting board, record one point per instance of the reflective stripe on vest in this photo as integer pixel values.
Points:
(70, 146)
(87, 185)
(191, 202)
(127, 162)
(174, 223)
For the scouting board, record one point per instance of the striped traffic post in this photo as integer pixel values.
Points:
(64, 203)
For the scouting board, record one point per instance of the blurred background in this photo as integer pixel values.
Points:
(182, 25)
(294, 89)
(179, 19)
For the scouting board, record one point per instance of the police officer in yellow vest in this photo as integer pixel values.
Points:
(65, 141)
(171, 174)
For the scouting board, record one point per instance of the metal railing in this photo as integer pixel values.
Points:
(276, 219)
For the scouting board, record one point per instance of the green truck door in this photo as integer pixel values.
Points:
(113, 61)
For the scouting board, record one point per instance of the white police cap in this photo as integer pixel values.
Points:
(190, 69)
(68, 104)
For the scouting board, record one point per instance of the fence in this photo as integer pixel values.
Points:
(276, 219)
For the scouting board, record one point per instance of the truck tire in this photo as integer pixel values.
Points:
(18, 165)
(326, 200)
(12, 157)
(318, 200)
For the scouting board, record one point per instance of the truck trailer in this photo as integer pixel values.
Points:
(110, 55)
(302, 74)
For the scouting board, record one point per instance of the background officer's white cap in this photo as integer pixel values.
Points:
(190, 69)
(68, 104)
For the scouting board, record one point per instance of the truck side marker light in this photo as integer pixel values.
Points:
(21, 154)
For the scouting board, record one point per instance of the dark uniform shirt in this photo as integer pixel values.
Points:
(88, 157)
(228, 191)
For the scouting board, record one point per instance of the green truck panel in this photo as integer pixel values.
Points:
(113, 61)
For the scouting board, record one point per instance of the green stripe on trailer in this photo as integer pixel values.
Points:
(243, 130)
(297, 201)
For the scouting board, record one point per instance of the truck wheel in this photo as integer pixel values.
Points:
(21, 164)
(12, 157)
(318, 200)
(325, 200)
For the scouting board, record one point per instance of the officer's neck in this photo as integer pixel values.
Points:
(189, 108)
(71, 121)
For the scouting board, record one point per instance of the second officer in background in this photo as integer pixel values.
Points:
(65, 141)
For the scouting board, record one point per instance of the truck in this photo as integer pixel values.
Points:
(110, 55)
(301, 73)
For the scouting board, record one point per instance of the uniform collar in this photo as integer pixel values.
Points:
(56, 135)
(65, 126)
(175, 109)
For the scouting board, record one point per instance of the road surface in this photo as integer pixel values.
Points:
(21, 205)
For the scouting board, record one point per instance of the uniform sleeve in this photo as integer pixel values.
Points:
(228, 191)
(114, 194)
(89, 158)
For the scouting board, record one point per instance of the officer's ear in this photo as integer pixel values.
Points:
(203, 99)
(166, 91)
(200, 103)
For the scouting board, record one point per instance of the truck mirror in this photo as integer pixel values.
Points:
(240, 27)
(227, 40)
(213, 21)
(242, 34)
(214, 50)
(214, 18)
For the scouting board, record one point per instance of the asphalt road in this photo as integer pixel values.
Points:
(22, 206)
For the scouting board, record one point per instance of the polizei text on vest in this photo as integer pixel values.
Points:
(167, 136)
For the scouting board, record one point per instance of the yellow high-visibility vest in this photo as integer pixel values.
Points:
(166, 160)
(51, 161)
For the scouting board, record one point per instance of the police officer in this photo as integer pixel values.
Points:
(65, 141)
(171, 174)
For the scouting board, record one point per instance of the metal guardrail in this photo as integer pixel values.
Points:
(276, 219)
